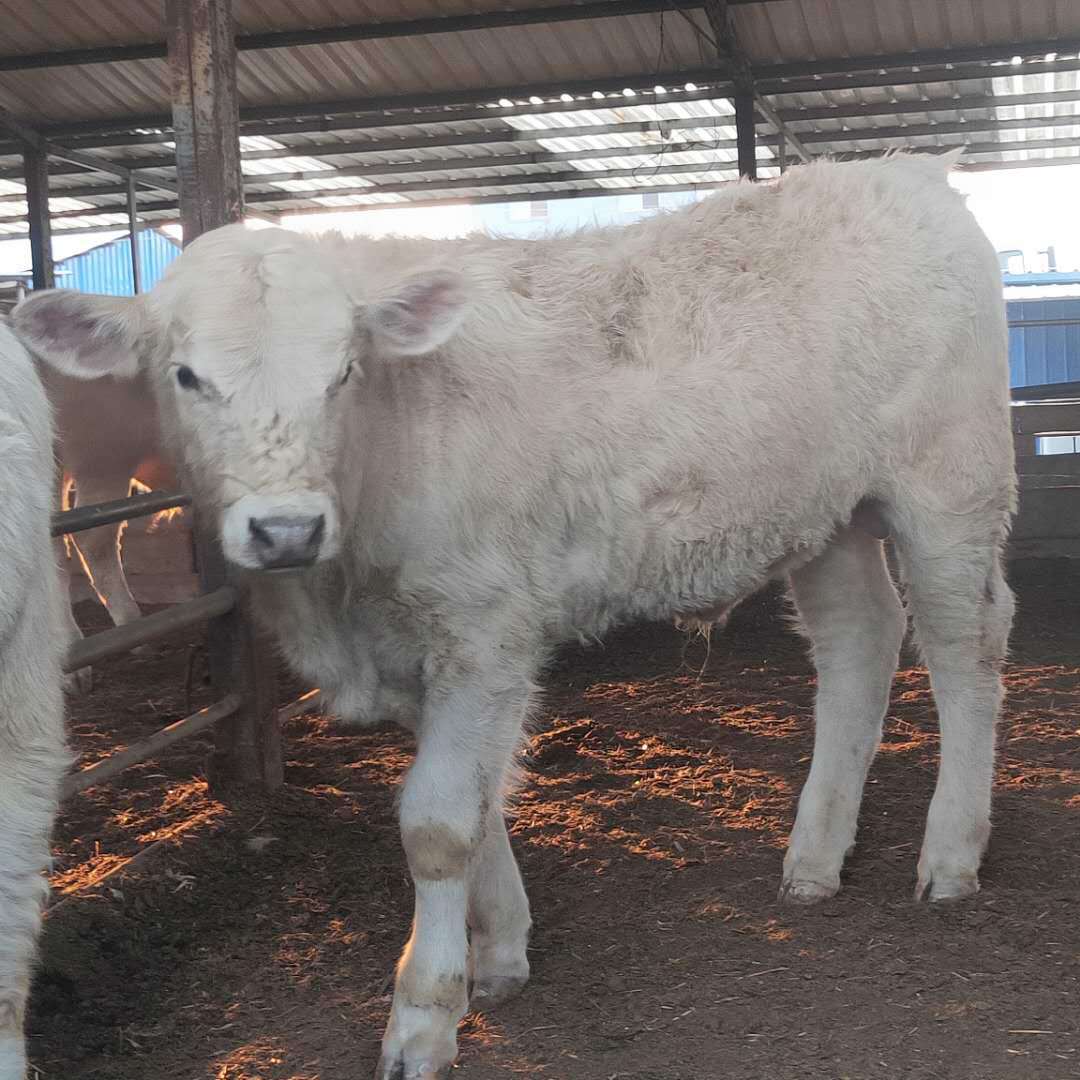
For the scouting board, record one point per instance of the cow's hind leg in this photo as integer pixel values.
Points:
(849, 609)
(80, 681)
(32, 760)
(498, 918)
(466, 740)
(962, 611)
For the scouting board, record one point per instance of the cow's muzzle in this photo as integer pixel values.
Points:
(283, 543)
(280, 532)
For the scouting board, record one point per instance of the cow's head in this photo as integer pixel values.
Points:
(254, 342)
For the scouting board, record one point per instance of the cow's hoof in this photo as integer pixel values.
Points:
(805, 892)
(945, 888)
(420, 1041)
(490, 992)
(392, 1067)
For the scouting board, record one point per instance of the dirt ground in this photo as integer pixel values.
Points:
(258, 942)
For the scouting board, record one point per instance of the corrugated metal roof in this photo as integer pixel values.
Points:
(454, 154)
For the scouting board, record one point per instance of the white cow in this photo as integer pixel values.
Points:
(32, 754)
(470, 450)
(107, 433)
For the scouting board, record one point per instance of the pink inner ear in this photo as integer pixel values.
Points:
(423, 313)
(427, 301)
(63, 326)
(84, 336)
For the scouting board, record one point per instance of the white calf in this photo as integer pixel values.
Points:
(32, 755)
(467, 451)
(107, 433)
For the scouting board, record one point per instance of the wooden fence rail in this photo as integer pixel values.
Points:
(1048, 521)
(247, 725)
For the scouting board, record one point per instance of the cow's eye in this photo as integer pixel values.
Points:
(348, 372)
(187, 378)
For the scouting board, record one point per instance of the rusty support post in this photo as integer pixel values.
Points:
(742, 78)
(202, 63)
(748, 101)
(206, 119)
(746, 135)
(36, 172)
(133, 230)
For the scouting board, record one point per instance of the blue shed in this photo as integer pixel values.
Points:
(1044, 340)
(107, 267)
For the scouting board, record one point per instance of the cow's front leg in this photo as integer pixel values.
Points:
(466, 742)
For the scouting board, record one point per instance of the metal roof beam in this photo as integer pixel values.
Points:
(512, 135)
(826, 139)
(892, 69)
(33, 138)
(767, 83)
(966, 103)
(368, 31)
(545, 196)
(477, 96)
(272, 129)
(788, 115)
(558, 177)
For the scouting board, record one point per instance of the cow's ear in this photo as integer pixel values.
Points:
(84, 335)
(422, 313)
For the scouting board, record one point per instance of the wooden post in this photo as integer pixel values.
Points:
(36, 173)
(202, 64)
(202, 68)
(247, 747)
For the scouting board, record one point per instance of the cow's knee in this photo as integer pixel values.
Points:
(435, 852)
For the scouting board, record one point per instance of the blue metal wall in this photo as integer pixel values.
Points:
(1044, 341)
(107, 269)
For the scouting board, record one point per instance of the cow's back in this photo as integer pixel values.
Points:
(672, 408)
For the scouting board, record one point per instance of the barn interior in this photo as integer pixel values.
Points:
(250, 938)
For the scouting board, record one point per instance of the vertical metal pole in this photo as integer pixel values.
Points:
(781, 151)
(133, 229)
(746, 134)
(202, 64)
(36, 174)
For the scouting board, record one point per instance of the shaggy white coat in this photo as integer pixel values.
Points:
(32, 754)
(516, 442)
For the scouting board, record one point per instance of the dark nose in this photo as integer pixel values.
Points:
(282, 542)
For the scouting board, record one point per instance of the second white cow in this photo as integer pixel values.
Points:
(32, 754)
(467, 451)
(107, 433)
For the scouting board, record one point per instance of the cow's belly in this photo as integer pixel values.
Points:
(696, 580)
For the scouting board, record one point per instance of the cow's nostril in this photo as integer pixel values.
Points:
(317, 533)
(260, 535)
